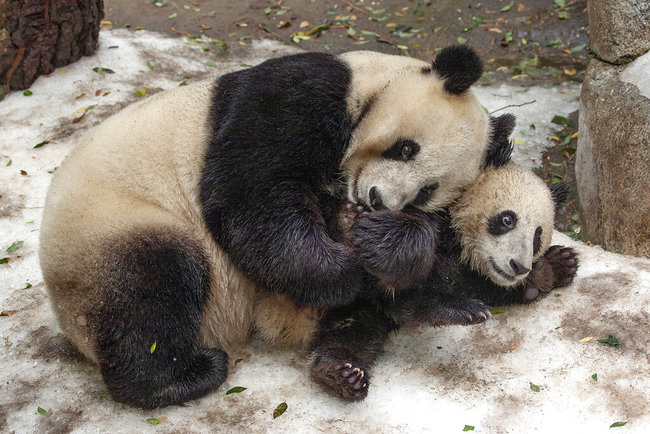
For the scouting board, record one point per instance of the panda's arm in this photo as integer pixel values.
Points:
(397, 247)
(282, 243)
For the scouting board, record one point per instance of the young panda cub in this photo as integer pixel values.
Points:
(493, 248)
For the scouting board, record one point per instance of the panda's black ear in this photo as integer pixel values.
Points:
(459, 66)
(560, 192)
(500, 148)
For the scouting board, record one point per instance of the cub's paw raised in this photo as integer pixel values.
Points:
(555, 269)
(564, 261)
(342, 375)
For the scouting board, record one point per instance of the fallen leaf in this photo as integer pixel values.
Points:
(15, 246)
(8, 312)
(279, 410)
(534, 387)
(468, 428)
(43, 411)
(236, 389)
(153, 347)
(514, 346)
(587, 339)
(618, 424)
(304, 24)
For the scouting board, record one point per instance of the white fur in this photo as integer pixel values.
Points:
(513, 188)
(452, 131)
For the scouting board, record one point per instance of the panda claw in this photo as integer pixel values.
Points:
(347, 365)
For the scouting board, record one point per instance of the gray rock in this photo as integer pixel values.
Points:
(619, 30)
(613, 161)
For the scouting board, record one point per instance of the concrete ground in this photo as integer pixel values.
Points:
(536, 368)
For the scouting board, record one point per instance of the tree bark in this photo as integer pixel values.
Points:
(37, 36)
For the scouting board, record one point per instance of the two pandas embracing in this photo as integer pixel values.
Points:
(322, 201)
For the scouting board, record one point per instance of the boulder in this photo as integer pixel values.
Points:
(613, 156)
(619, 30)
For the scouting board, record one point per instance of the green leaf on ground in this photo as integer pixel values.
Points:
(618, 424)
(236, 389)
(534, 387)
(15, 246)
(611, 340)
(279, 410)
(468, 428)
(43, 412)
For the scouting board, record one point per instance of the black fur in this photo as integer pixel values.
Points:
(279, 133)
(560, 192)
(351, 338)
(498, 225)
(396, 152)
(500, 147)
(459, 66)
(396, 243)
(348, 342)
(158, 285)
(537, 240)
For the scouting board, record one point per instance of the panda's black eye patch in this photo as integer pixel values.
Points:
(402, 150)
(537, 240)
(502, 223)
(425, 194)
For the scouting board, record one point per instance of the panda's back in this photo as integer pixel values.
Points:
(136, 173)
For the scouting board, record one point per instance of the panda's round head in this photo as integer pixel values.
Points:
(420, 136)
(505, 222)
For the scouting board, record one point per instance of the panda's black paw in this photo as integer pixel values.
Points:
(396, 247)
(469, 311)
(444, 311)
(341, 374)
(564, 261)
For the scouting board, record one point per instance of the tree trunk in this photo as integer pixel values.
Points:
(37, 36)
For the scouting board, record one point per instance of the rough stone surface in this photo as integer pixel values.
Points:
(613, 161)
(619, 30)
(37, 36)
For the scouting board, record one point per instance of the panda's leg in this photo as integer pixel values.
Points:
(147, 327)
(346, 346)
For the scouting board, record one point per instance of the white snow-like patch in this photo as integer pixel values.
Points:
(638, 74)
(537, 106)
(480, 376)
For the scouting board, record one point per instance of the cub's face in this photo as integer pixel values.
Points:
(505, 221)
(416, 142)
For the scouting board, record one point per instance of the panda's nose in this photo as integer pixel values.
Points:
(518, 268)
(375, 199)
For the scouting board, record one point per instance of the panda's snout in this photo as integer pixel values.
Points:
(518, 268)
(375, 199)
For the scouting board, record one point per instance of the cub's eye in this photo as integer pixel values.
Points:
(406, 151)
(502, 223)
(402, 150)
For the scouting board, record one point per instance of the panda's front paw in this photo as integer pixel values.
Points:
(341, 374)
(555, 269)
(396, 247)
(564, 262)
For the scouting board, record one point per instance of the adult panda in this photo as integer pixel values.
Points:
(167, 219)
(493, 248)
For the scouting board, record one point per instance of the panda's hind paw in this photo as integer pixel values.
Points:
(344, 377)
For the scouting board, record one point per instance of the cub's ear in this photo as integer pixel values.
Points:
(459, 66)
(560, 192)
(500, 148)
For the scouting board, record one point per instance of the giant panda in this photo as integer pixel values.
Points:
(167, 220)
(492, 248)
